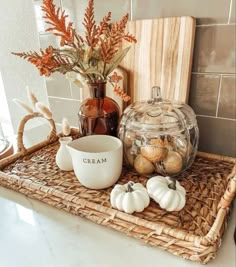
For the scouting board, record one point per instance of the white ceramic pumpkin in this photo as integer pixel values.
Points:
(129, 197)
(168, 193)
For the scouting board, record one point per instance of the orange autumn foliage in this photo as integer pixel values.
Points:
(93, 57)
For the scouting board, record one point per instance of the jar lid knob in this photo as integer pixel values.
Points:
(156, 94)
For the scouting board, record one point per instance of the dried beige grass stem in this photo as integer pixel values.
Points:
(23, 105)
(66, 130)
(32, 98)
(43, 110)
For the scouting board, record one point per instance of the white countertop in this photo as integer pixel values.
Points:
(33, 234)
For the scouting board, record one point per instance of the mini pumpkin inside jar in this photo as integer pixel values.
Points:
(159, 135)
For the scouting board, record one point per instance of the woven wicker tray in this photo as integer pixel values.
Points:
(194, 233)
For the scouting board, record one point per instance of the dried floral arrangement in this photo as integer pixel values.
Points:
(93, 57)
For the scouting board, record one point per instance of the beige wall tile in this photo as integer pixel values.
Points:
(48, 39)
(75, 11)
(214, 49)
(217, 136)
(227, 103)
(58, 85)
(75, 91)
(233, 11)
(117, 8)
(203, 93)
(64, 108)
(206, 11)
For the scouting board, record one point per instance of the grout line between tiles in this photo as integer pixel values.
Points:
(63, 98)
(131, 9)
(230, 11)
(61, 4)
(218, 98)
(81, 94)
(45, 33)
(71, 90)
(214, 73)
(213, 117)
(219, 24)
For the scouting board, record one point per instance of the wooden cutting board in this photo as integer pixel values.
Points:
(162, 56)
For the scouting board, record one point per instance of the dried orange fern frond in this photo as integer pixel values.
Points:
(118, 91)
(108, 49)
(115, 77)
(57, 19)
(118, 31)
(123, 22)
(104, 25)
(112, 41)
(114, 80)
(50, 60)
(91, 30)
(129, 38)
(44, 62)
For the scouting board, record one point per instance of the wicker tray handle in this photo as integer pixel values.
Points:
(223, 209)
(50, 138)
(230, 192)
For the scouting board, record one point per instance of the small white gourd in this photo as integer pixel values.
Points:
(129, 197)
(168, 193)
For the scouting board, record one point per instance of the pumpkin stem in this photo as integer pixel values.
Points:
(172, 185)
(130, 188)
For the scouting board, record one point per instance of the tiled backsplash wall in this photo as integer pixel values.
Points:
(213, 83)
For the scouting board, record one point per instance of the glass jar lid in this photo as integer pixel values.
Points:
(159, 115)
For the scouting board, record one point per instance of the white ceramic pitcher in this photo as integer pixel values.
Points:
(97, 160)
(63, 157)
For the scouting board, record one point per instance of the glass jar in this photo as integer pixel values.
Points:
(98, 114)
(3, 141)
(159, 136)
(6, 147)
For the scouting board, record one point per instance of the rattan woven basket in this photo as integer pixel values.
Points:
(194, 233)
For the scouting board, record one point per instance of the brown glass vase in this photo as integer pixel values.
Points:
(98, 114)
